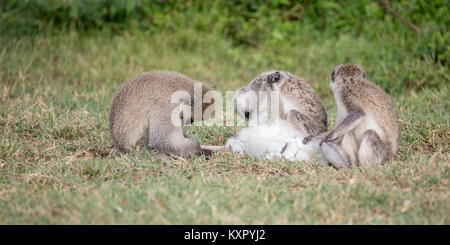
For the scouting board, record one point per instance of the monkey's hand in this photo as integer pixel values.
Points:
(329, 138)
(206, 152)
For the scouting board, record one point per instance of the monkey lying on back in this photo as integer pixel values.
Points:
(281, 109)
(141, 113)
(366, 129)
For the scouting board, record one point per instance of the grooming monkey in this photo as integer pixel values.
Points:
(299, 104)
(366, 129)
(300, 114)
(141, 113)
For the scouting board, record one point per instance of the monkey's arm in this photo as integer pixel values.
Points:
(349, 123)
(305, 123)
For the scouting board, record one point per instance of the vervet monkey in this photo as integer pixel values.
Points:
(281, 109)
(143, 114)
(366, 129)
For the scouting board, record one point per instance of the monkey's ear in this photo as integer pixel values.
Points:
(332, 75)
(274, 77)
(364, 74)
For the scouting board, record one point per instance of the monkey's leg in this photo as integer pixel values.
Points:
(372, 149)
(178, 144)
(126, 135)
(305, 124)
(335, 155)
(165, 137)
(347, 125)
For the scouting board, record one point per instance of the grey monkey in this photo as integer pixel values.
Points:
(299, 103)
(366, 128)
(141, 109)
(300, 113)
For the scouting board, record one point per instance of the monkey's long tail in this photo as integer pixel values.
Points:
(213, 148)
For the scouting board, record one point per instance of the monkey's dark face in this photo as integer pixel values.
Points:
(347, 73)
(245, 102)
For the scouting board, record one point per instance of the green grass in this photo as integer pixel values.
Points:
(54, 100)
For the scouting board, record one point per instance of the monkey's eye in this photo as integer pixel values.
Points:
(332, 76)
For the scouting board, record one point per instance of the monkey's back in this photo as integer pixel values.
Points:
(380, 106)
(307, 99)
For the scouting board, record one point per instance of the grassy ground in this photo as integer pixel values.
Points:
(54, 98)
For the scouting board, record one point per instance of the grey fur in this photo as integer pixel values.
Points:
(309, 114)
(140, 113)
(366, 130)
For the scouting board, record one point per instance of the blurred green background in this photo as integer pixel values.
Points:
(393, 50)
(62, 60)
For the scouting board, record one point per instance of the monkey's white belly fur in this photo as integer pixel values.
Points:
(268, 140)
